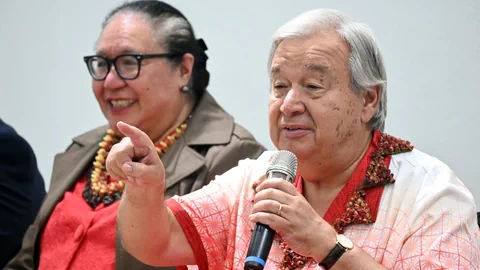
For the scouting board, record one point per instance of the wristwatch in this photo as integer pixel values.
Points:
(343, 245)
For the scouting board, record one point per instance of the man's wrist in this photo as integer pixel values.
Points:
(342, 245)
(139, 197)
(324, 249)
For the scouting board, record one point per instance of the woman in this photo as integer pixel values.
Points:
(361, 200)
(150, 72)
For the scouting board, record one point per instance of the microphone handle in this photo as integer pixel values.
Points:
(259, 248)
(262, 237)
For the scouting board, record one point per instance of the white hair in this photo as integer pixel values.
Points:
(366, 62)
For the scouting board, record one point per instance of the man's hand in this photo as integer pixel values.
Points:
(135, 159)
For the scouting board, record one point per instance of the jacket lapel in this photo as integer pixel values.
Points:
(210, 125)
(68, 167)
(181, 162)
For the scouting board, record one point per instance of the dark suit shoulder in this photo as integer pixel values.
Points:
(21, 190)
(18, 164)
(12, 145)
(17, 159)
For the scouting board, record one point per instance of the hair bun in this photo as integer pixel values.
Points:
(202, 44)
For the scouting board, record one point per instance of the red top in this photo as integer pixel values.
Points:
(77, 236)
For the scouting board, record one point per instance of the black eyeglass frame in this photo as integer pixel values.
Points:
(113, 62)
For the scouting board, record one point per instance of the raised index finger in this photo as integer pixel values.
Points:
(137, 137)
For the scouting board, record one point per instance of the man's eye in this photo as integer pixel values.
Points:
(314, 86)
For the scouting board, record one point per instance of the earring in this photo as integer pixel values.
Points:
(184, 88)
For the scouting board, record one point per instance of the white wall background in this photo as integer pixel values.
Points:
(431, 48)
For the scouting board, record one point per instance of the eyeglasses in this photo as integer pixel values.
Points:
(127, 66)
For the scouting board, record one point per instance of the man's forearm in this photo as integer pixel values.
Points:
(143, 223)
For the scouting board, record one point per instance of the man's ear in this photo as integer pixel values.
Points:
(371, 99)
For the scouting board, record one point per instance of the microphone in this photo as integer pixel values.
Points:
(283, 165)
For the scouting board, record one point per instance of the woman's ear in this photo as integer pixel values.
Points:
(186, 68)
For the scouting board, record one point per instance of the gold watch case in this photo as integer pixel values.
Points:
(344, 242)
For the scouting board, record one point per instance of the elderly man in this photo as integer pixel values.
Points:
(361, 199)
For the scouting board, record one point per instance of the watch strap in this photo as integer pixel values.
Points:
(333, 256)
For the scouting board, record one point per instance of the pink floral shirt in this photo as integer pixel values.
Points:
(426, 220)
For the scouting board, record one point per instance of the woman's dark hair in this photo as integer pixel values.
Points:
(174, 33)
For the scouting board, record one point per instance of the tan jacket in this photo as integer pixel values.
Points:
(212, 144)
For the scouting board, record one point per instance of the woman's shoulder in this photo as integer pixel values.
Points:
(242, 133)
(94, 134)
(89, 137)
(244, 137)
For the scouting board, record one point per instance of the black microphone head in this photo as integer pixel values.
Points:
(285, 162)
